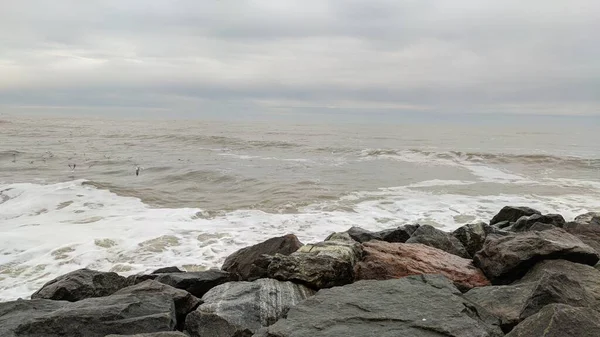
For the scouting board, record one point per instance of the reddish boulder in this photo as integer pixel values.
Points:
(383, 260)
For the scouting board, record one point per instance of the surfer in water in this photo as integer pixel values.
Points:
(137, 170)
(72, 167)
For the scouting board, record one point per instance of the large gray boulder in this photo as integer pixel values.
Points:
(433, 237)
(241, 308)
(512, 214)
(320, 265)
(80, 284)
(196, 283)
(246, 262)
(526, 223)
(472, 236)
(93, 317)
(398, 234)
(504, 259)
(586, 230)
(560, 320)
(184, 301)
(591, 218)
(514, 303)
(416, 306)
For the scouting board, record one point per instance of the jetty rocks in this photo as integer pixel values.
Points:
(524, 274)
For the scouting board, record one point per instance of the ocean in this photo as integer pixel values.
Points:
(209, 187)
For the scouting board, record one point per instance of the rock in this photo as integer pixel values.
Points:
(167, 270)
(92, 317)
(433, 237)
(155, 334)
(588, 218)
(139, 278)
(525, 222)
(512, 214)
(239, 308)
(416, 306)
(588, 277)
(383, 261)
(321, 265)
(588, 232)
(504, 259)
(560, 320)
(196, 283)
(473, 236)
(503, 224)
(184, 301)
(80, 284)
(514, 303)
(243, 262)
(362, 235)
(400, 234)
(538, 226)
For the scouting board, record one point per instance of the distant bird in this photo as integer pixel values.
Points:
(72, 167)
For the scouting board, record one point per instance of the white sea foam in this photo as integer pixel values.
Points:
(49, 230)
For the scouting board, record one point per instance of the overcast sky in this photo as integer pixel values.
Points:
(477, 56)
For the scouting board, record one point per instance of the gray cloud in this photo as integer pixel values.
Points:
(442, 56)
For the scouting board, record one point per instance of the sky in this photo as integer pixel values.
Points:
(285, 56)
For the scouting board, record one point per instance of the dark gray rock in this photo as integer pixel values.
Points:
(167, 270)
(362, 235)
(504, 259)
(239, 308)
(184, 301)
(416, 306)
(525, 222)
(247, 264)
(560, 320)
(538, 226)
(512, 214)
(81, 284)
(196, 283)
(92, 317)
(503, 224)
(320, 265)
(473, 236)
(433, 237)
(398, 235)
(586, 231)
(514, 303)
(155, 334)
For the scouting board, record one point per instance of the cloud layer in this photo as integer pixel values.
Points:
(536, 56)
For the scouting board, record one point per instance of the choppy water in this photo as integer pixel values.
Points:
(209, 188)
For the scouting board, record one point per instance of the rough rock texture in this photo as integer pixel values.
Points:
(243, 263)
(167, 270)
(92, 317)
(321, 265)
(560, 320)
(504, 259)
(239, 308)
(588, 218)
(526, 222)
(80, 284)
(400, 234)
(195, 283)
(383, 260)
(184, 301)
(586, 231)
(155, 334)
(416, 306)
(433, 237)
(512, 214)
(362, 235)
(473, 236)
(514, 303)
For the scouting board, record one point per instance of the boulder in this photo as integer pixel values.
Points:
(81, 284)
(362, 235)
(514, 303)
(433, 237)
(184, 301)
(238, 308)
(320, 265)
(504, 259)
(399, 234)
(384, 260)
(473, 236)
(588, 232)
(526, 222)
(167, 270)
(416, 306)
(92, 317)
(588, 218)
(246, 262)
(155, 334)
(512, 214)
(196, 283)
(560, 320)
